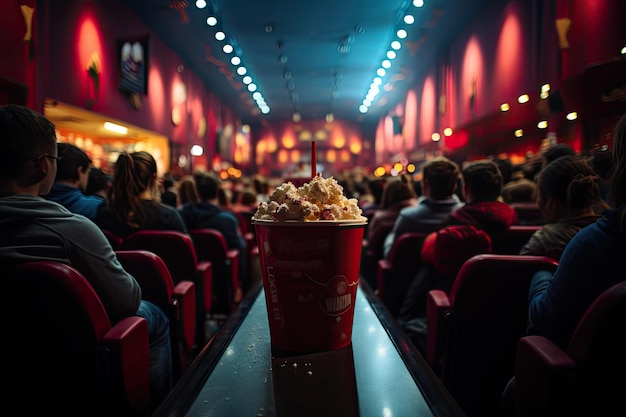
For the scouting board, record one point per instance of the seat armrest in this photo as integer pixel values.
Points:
(204, 284)
(128, 345)
(383, 274)
(185, 300)
(232, 258)
(437, 308)
(542, 372)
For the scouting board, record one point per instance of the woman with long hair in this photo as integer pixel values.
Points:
(134, 201)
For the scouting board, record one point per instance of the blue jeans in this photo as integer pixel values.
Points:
(160, 352)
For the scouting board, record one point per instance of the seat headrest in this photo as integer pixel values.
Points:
(453, 245)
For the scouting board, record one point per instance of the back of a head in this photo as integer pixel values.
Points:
(99, 181)
(25, 135)
(483, 179)
(396, 190)
(133, 174)
(72, 158)
(442, 175)
(207, 184)
(519, 191)
(187, 192)
(557, 151)
(570, 181)
(376, 187)
(247, 197)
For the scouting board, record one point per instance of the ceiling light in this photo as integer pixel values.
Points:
(519, 133)
(409, 19)
(200, 4)
(418, 3)
(235, 60)
(523, 98)
(542, 124)
(436, 137)
(211, 21)
(220, 36)
(447, 131)
(504, 107)
(572, 116)
(113, 127)
(251, 87)
(242, 70)
(247, 79)
(296, 117)
(363, 108)
(330, 118)
(227, 48)
(396, 45)
(401, 34)
(391, 54)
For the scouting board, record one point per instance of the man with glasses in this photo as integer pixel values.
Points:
(71, 181)
(33, 228)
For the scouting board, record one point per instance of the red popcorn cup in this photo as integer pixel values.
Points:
(310, 276)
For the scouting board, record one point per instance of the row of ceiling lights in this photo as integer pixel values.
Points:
(391, 54)
(229, 49)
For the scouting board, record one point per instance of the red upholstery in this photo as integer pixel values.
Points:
(396, 272)
(513, 240)
(253, 262)
(115, 240)
(60, 352)
(178, 302)
(211, 246)
(473, 333)
(179, 254)
(453, 245)
(587, 379)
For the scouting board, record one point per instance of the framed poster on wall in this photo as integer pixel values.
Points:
(133, 57)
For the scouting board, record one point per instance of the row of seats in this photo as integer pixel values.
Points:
(89, 366)
(64, 348)
(395, 273)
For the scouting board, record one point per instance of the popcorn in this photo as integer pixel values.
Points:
(319, 199)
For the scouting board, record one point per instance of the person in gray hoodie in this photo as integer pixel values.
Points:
(34, 229)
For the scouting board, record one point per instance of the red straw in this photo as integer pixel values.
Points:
(313, 160)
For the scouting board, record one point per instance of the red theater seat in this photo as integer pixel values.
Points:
(179, 254)
(513, 240)
(60, 354)
(472, 334)
(227, 290)
(588, 378)
(177, 301)
(397, 271)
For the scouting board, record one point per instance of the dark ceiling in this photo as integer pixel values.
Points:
(312, 57)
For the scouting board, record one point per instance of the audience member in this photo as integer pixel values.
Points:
(482, 187)
(568, 197)
(398, 193)
(589, 264)
(133, 203)
(36, 229)
(71, 180)
(438, 200)
(99, 183)
(482, 184)
(556, 151)
(169, 194)
(246, 202)
(187, 192)
(207, 214)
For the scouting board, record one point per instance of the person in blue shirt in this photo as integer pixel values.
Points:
(71, 181)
